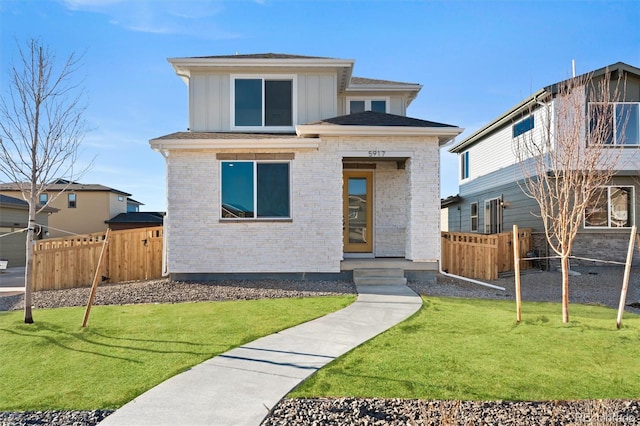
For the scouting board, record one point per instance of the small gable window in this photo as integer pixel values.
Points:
(263, 102)
(355, 105)
(523, 126)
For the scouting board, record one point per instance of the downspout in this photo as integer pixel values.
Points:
(165, 221)
(458, 277)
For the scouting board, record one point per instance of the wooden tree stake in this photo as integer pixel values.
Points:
(627, 272)
(96, 278)
(516, 268)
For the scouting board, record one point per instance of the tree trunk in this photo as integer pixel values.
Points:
(28, 272)
(565, 288)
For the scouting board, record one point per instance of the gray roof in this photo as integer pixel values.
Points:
(617, 69)
(224, 135)
(371, 118)
(377, 82)
(137, 217)
(64, 185)
(17, 203)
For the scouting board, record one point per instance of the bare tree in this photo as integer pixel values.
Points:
(568, 159)
(41, 119)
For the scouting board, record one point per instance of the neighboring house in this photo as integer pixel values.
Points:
(14, 216)
(83, 208)
(132, 220)
(490, 199)
(133, 205)
(291, 165)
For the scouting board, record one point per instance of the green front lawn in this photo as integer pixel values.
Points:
(474, 350)
(125, 350)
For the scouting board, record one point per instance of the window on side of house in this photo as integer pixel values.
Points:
(474, 217)
(523, 126)
(255, 190)
(44, 198)
(610, 207)
(71, 200)
(464, 165)
(615, 123)
(492, 216)
(263, 102)
(355, 105)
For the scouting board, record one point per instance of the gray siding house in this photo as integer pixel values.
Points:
(491, 200)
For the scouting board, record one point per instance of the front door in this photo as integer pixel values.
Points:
(358, 211)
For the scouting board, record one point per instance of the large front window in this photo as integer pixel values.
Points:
(610, 207)
(252, 189)
(615, 123)
(263, 102)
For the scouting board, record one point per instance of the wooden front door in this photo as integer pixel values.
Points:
(358, 211)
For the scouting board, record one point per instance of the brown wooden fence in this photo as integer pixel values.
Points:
(482, 256)
(132, 254)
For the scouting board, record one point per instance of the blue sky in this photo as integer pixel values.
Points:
(475, 59)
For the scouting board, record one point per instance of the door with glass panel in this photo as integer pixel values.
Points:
(358, 211)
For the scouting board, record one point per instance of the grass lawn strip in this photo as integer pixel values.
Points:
(126, 350)
(463, 349)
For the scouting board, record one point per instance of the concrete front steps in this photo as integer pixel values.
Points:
(379, 276)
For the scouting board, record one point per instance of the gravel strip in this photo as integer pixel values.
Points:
(595, 286)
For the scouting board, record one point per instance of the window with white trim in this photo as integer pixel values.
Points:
(263, 103)
(355, 105)
(71, 200)
(523, 126)
(618, 123)
(255, 190)
(493, 216)
(474, 217)
(464, 165)
(610, 207)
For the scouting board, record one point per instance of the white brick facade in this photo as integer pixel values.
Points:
(406, 214)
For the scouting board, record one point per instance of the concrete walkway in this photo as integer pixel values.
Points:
(239, 387)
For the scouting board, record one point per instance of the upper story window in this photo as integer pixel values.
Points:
(355, 105)
(120, 198)
(523, 126)
(44, 198)
(610, 208)
(71, 200)
(255, 189)
(464, 165)
(616, 123)
(260, 103)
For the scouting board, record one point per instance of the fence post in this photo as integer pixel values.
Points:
(516, 268)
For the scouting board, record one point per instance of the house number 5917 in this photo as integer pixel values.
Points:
(376, 153)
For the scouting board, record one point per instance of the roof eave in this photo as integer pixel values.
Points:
(444, 134)
(194, 144)
(505, 118)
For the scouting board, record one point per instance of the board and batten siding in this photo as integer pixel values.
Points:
(210, 100)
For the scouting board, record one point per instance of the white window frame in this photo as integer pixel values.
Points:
(631, 213)
(487, 223)
(472, 216)
(255, 192)
(464, 165)
(367, 102)
(294, 101)
(615, 122)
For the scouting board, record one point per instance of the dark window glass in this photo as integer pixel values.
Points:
(273, 189)
(356, 106)
(628, 124)
(278, 101)
(71, 198)
(248, 102)
(379, 106)
(600, 123)
(464, 165)
(44, 198)
(237, 189)
(523, 126)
